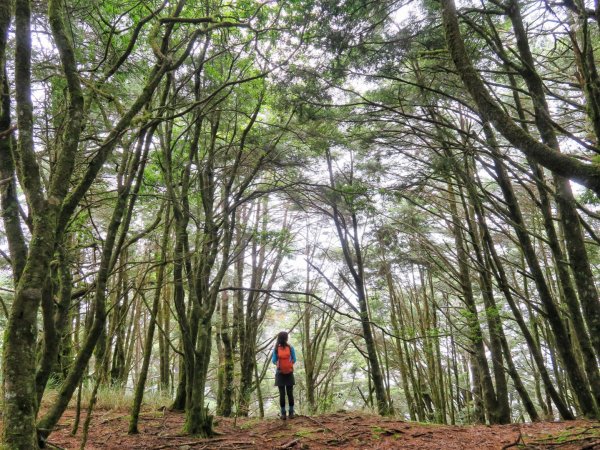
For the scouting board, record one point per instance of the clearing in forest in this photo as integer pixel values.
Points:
(349, 430)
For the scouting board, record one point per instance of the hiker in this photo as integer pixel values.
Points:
(284, 356)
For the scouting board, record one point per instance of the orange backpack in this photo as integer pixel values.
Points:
(284, 360)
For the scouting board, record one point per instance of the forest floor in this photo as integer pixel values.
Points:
(161, 430)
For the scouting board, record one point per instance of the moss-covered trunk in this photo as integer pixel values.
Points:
(565, 349)
(197, 419)
(20, 394)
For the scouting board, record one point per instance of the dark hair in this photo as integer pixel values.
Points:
(282, 338)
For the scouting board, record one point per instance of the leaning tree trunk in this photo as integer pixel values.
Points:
(475, 333)
(108, 260)
(485, 261)
(566, 351)
(492, 313)
(570, 222)
(351, 248)
(141, 383)
(490, 111)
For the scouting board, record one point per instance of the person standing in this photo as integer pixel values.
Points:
(284, 356)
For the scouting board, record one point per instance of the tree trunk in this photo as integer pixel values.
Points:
(472, 318)
(353, 258)
(225, 406)
(564, 165)
(20, 395)
(197, 420)
(572, 367)
(141, 383)
(492, 314)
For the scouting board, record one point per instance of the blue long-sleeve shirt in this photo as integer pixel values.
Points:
(292, 356)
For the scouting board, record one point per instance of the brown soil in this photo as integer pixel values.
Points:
(350, 430)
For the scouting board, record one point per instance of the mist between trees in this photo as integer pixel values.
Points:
(409, 188)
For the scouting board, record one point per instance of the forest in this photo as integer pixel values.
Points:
(409, 188)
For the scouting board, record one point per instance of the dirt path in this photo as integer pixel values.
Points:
(161, 430)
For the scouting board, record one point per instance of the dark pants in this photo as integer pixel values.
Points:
(290, 394)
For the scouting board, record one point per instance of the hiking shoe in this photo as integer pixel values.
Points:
(282, 416)
(292, 415)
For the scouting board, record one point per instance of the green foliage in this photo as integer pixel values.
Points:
(369, 85)
(588, 197)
